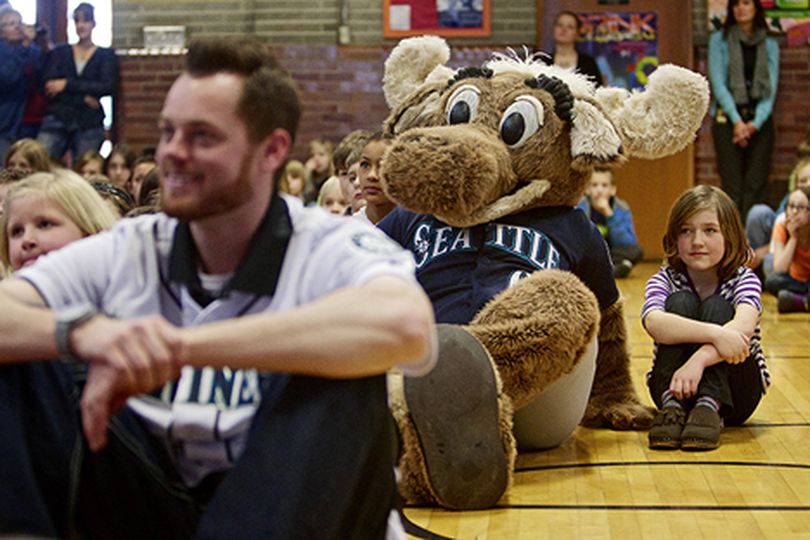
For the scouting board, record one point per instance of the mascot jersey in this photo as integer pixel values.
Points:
(463, 268)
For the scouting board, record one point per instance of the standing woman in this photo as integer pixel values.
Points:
(744, 73)
(565, 54)
(76, 77)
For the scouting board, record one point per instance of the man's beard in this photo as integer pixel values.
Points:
(220, 201)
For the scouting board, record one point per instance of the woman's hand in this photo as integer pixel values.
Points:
(55, 86)
(741, 134)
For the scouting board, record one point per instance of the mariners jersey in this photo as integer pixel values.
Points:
(463, 268)
(145, 266)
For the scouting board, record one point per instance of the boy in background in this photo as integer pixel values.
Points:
(345, 155)
(613, 218)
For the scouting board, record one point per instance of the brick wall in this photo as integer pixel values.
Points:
(340, 88)
(311, 22)
(791, 119)
(340, 85)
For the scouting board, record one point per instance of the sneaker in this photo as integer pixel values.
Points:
(788, 301)
(622, 268)
(702, 431)
(665, 433)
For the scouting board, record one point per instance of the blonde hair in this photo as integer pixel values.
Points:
(33, 152)
(293, 168)
(694, 200)
(333, 183)
(794, 173)
(327, 147)
(74, 196)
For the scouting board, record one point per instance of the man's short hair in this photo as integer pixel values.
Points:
(269, 99)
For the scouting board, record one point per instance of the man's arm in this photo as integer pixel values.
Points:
(353, 332)
(26, 325)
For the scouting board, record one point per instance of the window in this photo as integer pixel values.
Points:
(27, 9)
(102, 34)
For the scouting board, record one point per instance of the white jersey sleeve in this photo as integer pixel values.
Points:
(351, 253)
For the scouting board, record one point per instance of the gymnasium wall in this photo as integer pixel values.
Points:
(341, 84)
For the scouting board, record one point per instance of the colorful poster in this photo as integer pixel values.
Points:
(624, 45)
(789, 17)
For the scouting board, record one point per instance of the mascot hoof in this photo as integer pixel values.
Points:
(456, 413)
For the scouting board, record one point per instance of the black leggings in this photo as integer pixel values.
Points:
(738, 387)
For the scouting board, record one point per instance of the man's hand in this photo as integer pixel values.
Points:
(731, 344)
(685, 380)
(54, 86)
(126, 358)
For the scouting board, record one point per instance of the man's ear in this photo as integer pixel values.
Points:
(275, 149)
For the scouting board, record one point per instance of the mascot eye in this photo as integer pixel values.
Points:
(463, 104)
(521, 120)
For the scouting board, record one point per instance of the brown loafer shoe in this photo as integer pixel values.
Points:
(702, 431)
(665, 433)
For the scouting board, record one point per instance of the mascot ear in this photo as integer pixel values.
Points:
(415, 77)
(594, 139)
(412, 63)
(664, 118)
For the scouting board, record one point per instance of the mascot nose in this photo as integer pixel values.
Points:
(447, 170)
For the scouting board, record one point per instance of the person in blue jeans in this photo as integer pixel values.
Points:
(613, 218)
(19, 62)
(224, 361)
(76, 78)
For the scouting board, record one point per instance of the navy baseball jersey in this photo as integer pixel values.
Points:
(463, 268)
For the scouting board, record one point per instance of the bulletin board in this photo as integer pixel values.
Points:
(447, 18)
(624, 45)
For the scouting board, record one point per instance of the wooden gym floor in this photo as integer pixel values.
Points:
(608, 484)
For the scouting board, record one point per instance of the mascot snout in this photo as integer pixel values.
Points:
(460, 169)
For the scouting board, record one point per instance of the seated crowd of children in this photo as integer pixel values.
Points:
(702, 308)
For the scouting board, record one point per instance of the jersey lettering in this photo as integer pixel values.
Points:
(224, 387)
(431, 243)
(529, 244)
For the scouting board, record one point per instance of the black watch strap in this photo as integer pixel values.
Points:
(68, 320)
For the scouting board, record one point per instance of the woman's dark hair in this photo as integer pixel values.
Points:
(759, 16)
(86, 11)
(150, 189)
(124, 151)
(570, 14)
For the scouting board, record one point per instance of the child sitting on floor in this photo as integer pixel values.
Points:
(702, 309)
(614, 220)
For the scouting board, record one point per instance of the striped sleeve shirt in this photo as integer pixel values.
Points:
(741, 288)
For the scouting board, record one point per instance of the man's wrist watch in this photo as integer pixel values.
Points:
(68, 320)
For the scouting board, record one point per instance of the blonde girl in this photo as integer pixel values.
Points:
(331, 198)
(791, 254)
(702, 309)
(47, 211)
(293, 181)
